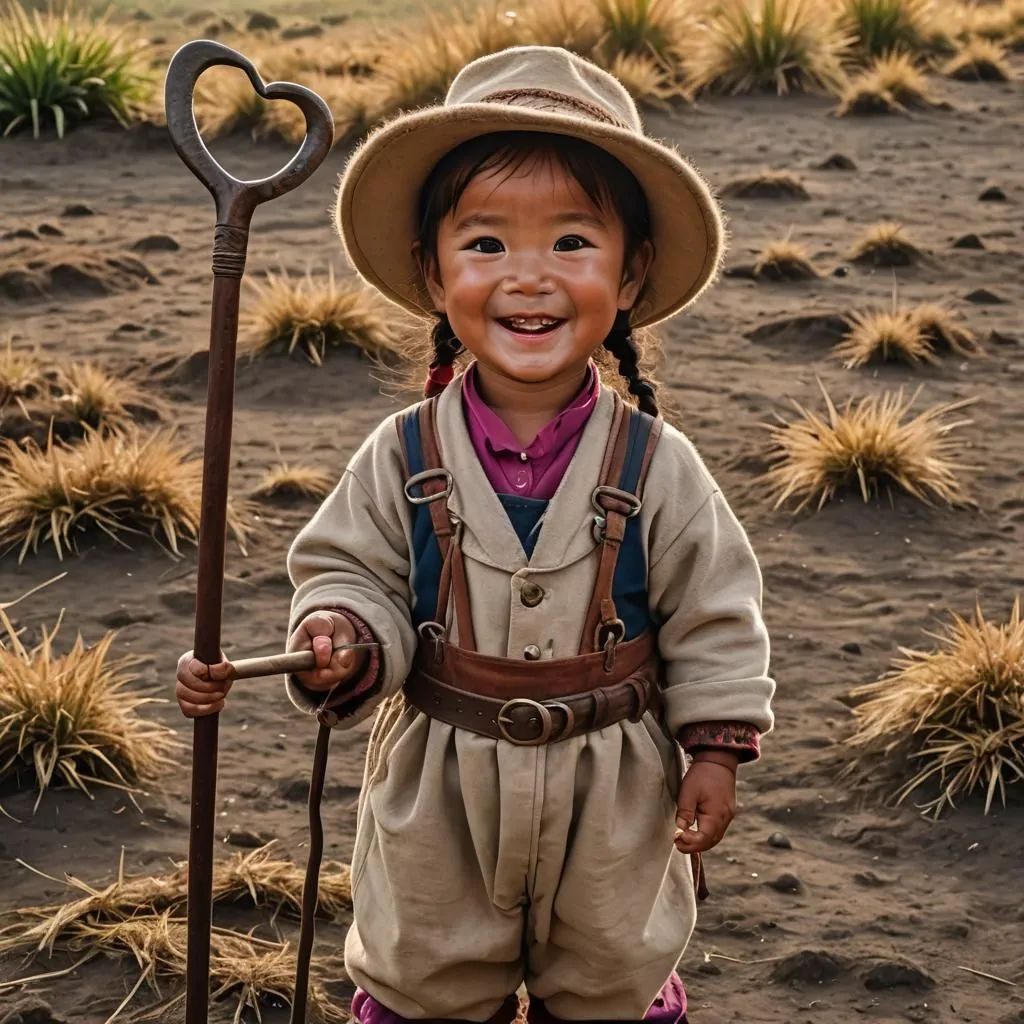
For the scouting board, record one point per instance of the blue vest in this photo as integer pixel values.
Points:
(629, 587)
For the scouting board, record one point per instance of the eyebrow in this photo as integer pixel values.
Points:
(494, 220)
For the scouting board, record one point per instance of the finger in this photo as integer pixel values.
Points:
(191, 710)
(201, 685)
(320, 624)
(323, 648)
(185, 693)
(692, 841)
(221, 671)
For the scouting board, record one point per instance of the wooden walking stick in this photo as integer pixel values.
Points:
(236, 201)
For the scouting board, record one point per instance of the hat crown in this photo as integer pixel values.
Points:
(545, 78)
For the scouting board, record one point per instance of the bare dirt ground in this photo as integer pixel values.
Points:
(899, 904)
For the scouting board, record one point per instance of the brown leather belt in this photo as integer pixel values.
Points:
(527, 722)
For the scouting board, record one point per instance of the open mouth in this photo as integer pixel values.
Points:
(531, 326)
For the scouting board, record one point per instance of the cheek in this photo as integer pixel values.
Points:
(467, 285)
(595, 288)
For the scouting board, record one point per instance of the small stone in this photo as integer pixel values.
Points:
(335, 19)
(809, 965)
(302, 31)
(786, 882)
(130, 328)
(77, 210)
(985, 297)
(837, 162)
(121, 617)
(50, 231)
(841, 271)
(888, 974)
(260, 21)
(246, 838)
(969, 241)
(999, 338)
(852, 647)
(831, 211)
(780, 841)
(156, 243)
(872, 880)
(21, 233)
(993, 194)
(709, 968)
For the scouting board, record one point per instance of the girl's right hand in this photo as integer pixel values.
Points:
(202, 688)
(321, 632)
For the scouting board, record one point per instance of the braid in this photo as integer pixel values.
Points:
(446, 349)
(620, 343)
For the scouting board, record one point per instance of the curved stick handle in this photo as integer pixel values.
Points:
(236, 200)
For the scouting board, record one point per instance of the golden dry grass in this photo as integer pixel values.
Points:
(103, 400)
(956, 713)
(124, 483)
(647, 81)
(870, 444)
(943, 327)
(766, 184)
(785, 261)
(892, 83)
(313, 314)
(886, 245)
(884, 337)
(980, 60)
(21, 374)
(779, 45)
(72, 719)
(883, 26)
(284, 480)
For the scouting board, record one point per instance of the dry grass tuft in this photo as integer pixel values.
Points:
(779, 45)
(871, 444)
(103, 401)
(942, 326)
(884, 337)
(71, 718)
(120, 483)
(958, 712)
(766, 185)
(884, 26)
(886, 245)
(891, 84)
(647, 81)
(980, 60)
(21, 374)
(288, 481)
(313, 314)
(785, 261)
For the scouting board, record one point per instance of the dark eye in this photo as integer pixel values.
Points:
(489, 246)
(571, 243)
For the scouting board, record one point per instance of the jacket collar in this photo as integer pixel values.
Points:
(488, 536)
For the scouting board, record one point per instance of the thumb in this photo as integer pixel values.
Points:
(323, 648)
(686, 811)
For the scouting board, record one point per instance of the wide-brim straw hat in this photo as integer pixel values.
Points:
(535, 89)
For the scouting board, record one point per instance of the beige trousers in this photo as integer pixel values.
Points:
(479, 864)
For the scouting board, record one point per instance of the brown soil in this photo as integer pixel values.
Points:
(867, 913)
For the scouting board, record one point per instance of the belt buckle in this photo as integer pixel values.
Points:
(544, 712)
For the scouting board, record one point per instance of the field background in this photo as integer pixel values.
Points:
(901, 904)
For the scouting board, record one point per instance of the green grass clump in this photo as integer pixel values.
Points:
(884, 26)
(62, 67)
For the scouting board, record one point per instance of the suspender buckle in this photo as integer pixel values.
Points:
(615, 498)
(609, 634)
(420, 479)
(434, 632)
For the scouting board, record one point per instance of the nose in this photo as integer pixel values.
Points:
(527, 275)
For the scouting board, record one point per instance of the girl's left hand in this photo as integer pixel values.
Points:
(707, 796)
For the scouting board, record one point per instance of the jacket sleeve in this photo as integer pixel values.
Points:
(705, 592)
(353, 556)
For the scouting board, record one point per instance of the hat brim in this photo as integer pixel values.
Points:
(376, 210)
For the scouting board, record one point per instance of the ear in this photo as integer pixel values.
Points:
(634, 274)
(431, 274)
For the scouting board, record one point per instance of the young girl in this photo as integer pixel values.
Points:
(562, 598)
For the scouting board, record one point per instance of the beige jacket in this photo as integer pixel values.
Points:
(704, 584)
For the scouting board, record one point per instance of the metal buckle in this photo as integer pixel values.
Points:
(616, 630)
(614, 492)
(542, 711)
(436, 634)
(422, 478)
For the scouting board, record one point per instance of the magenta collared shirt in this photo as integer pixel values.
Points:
(537, 470)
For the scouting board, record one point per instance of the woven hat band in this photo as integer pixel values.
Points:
(553, 102)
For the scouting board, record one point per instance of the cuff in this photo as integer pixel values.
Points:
(741, 738)
(345, 698)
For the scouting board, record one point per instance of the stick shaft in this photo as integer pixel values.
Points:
(220, 400)
(280, 664)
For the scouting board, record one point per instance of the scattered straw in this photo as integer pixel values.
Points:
(870, 444)
(957, 711)
(122, 483)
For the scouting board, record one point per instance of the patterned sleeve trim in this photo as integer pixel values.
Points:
(345, 698)
(741, 738)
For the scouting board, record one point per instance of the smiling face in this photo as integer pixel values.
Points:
(531, 273)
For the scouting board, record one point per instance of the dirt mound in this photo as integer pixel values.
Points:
(35, 271)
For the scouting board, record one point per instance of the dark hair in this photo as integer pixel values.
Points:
(607, 183)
